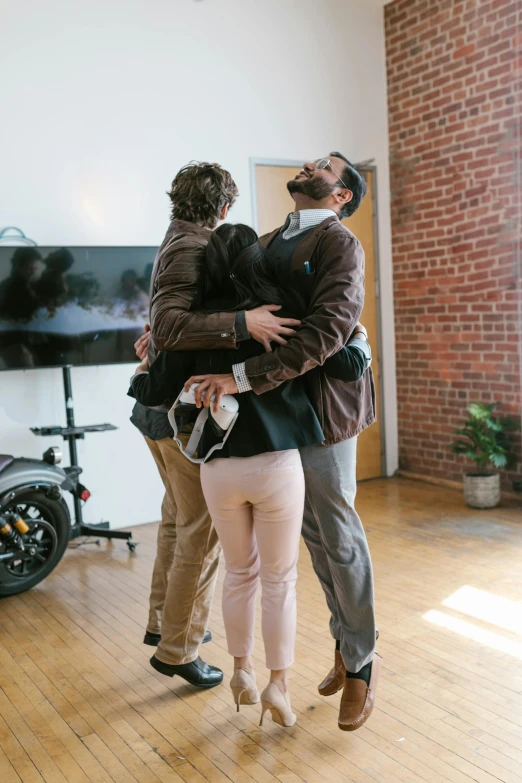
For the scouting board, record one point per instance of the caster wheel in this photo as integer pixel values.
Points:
(132, 545)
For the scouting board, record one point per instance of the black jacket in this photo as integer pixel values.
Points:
(281, 419)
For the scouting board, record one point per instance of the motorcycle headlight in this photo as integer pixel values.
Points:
(53, 455)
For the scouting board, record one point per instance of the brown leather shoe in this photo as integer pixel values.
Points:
(358, 699)
(334, 681)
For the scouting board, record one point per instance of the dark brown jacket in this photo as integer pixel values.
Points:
(336, 294)
(335, 289)
(174, 288)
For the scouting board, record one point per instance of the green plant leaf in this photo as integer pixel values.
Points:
(460, 448)
(479, 410)
(493, 424)
(484, 438)
(499, 460)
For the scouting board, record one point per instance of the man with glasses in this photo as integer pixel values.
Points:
(322, 258)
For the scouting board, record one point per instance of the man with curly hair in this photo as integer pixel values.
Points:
(185, 568)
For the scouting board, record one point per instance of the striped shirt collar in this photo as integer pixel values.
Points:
(297, 222)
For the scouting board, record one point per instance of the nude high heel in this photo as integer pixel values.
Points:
(278, 703)
(243, 686)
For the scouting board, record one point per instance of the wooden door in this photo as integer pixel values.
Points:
(273, 203)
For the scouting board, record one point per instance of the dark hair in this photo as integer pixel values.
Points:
(354, 182)
(237, 266)
(199, 192)
(59, 260)
(24, 255)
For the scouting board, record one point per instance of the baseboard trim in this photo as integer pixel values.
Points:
(440, 482)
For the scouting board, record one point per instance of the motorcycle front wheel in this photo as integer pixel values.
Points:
(44, 544)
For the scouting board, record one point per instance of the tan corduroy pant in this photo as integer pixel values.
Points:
(187, 558)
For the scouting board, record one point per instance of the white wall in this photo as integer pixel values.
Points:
(103, 102)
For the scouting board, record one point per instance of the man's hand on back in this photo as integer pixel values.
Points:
(266, 328)
(142, 343)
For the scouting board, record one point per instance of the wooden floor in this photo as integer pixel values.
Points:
(79, 701)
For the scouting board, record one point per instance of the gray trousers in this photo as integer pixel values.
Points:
(337, 544)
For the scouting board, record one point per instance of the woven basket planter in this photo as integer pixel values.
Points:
(482, 490)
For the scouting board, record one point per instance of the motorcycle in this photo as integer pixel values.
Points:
(35, 523)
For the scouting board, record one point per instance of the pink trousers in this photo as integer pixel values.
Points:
(256, 505)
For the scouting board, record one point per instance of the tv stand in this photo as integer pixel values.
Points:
(71, 433)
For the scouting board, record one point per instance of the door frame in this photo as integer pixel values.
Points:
(265, 162)
(373, 170)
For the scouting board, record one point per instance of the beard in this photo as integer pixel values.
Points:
(316, 189)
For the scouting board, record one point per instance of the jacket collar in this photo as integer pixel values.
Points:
(304, 249)
(186, 227)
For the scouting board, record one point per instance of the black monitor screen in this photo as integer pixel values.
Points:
(72, 305)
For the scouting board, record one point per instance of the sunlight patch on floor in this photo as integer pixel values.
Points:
(487, 638)
(488, 607)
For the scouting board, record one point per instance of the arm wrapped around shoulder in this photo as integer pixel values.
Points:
(351, 362)
(164, 379)
(335, 307)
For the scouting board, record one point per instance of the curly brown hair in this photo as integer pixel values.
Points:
(200, 191)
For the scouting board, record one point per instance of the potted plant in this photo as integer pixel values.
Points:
(485, 438)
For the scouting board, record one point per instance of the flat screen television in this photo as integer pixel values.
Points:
(72, 305)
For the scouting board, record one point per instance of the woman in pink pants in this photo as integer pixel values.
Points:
(256, 504)
(254, 486)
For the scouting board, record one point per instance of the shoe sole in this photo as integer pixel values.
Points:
(352, 727)
(164, 668)
(153, 643)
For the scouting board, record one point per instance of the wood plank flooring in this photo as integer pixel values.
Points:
(79, 702)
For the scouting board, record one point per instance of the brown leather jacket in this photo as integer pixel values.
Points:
(336, 291)
(174, 288)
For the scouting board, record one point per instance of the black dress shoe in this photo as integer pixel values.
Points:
(152, 638)
(196, 673)
(155, 638)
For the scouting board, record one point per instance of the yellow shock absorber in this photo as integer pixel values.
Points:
(4, 531)
(21, 526)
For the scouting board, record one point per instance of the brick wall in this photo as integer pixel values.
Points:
(455, 113)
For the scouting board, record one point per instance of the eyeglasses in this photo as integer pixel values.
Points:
(326, 163)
